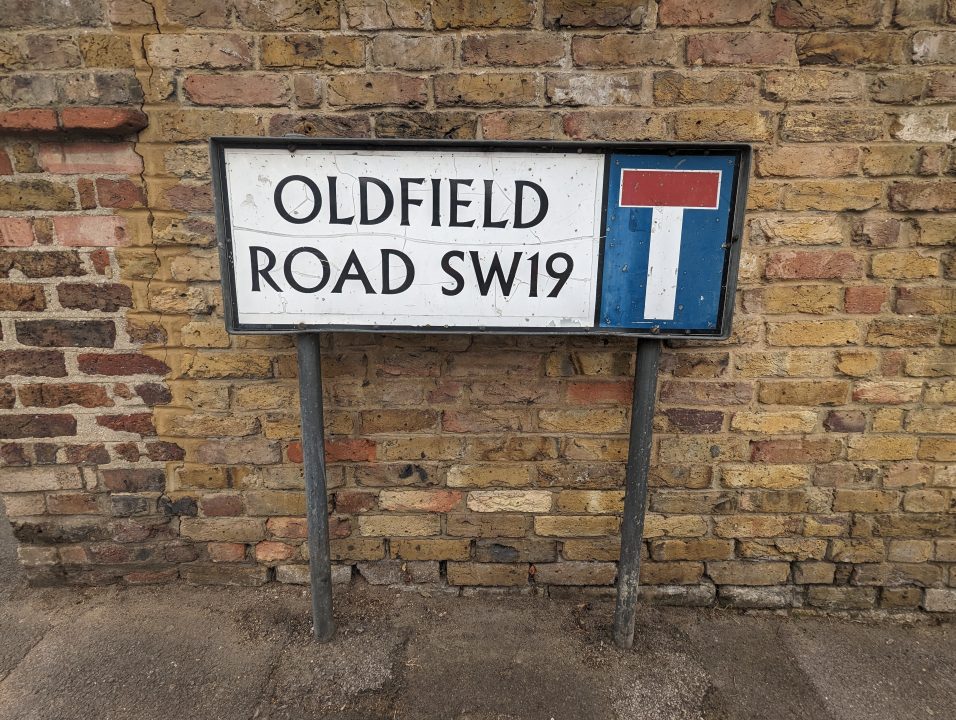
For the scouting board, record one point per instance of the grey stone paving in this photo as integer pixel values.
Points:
(237, 653)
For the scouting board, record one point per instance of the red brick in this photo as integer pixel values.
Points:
(77, 158)
(106, 297)
(827, 13)
(72, 504)
(25, 426)
(42, 264)
(448, 14)
(120, 364)
(294, 452)
(140, 423)
(113, 121)
(45, 363)
(805, 450)
(28, 121)
(693, 420)
(134, 479)
(92, 454)
(818, 264)
(582, 392)
(368, 89)
(153, 393)
(288, 527)
(6, 166)
(101, 260)
(864, 299)
(272, 551)
(931, 196)
(226, 552)
(238, 89)
(746, 48)
(350, 450)
(857, 48)
(625, 50)
(689, 13)
(164, 451)
(221, 505)
(189, 197)
(15, 232)
(350, 501)
(22, 297)
(614, 125)
(52, 395)
(119, 193)
(91, 230)
(66, 333)
(519, 48)
(706, 393)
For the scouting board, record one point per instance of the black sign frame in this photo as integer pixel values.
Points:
(743, 153)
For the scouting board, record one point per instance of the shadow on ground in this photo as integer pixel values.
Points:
(236, 653)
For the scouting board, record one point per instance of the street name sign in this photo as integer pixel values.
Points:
(447, 236)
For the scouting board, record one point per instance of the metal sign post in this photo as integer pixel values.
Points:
(635, 493)
(429, 236)
(316, 498)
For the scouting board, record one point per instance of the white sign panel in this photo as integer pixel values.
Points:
(469, 236)
(430, 238)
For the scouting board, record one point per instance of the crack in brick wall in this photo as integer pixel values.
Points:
(808, 460)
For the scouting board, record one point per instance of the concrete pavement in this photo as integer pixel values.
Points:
(233, 653)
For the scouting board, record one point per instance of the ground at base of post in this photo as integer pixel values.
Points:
(184, 651)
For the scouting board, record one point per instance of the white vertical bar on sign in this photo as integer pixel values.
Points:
(662, 264)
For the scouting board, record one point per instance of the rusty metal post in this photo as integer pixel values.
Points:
(635, 496)
(316, 499)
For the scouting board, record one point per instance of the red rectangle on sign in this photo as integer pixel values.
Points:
(670, 188)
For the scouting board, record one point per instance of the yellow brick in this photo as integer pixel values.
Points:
(870, 501)
(775, 423)
(430, 549)
(603, 421)
(204, 425)
(355, 549)
(530, 501)
(744, 526)
(399, 525)
(204, 334)
(798, 231)
(857, 363)
(575, 525)
(817, 333)
(831, 195)
(674, 526)
(490, 475)
(765, 476)
(904, 264)
(888, 420)
(748, 573)
(232, 529)
(932, 420)
(607, 550)
(882, 447)
(487, 574)
(713, 125)
(226, 365)
(591, 501)
(783, 299)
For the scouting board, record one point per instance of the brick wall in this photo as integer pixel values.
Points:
(810, 460)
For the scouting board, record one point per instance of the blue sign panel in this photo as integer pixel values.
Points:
(668, 239)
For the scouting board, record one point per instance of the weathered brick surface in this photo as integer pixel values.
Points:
(806, 461)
